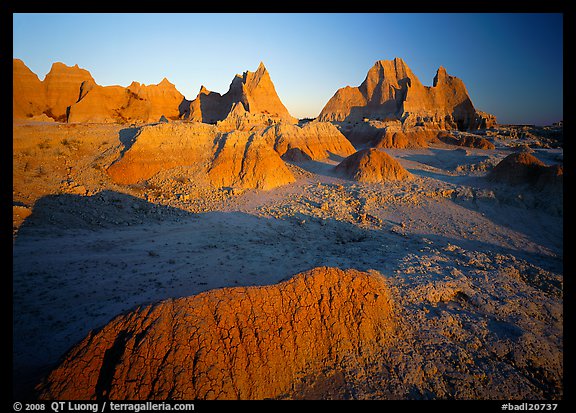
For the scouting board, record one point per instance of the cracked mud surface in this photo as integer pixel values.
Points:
(233, 343)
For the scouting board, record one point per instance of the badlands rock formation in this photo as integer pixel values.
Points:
(223, 157)
(136, 103)
(392, 92)
(244, 160)
(233, 343)
(253, 90)
(60, 89)
(63, 88)
(231, 159)
(28, 96)
(399, 138)
(70, 94)
(372, 165)
(317, 140)
(469, 141)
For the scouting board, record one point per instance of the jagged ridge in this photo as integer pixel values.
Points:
(391, 91)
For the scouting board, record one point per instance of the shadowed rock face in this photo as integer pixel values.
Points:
(392, 92)
(468, 141)
(372, 165)
(232, 343)
(523, 168)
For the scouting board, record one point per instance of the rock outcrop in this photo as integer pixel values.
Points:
(253, 90)
(233, 343)
(223, 156)
(531, 182)
(136, 103)
(245, 160)
(467, 140)
(62, 85)
(372, 165)
(392, 92)
(239, 158)
(70, 94)
(317, 140)
(399, 138)
(239, 119)
(52, 96)
(28, 94)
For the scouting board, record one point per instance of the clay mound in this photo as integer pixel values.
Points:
(232, 343)
(318, 140)
(468, 141)
(522, 168)
(372, 165)
(222, 159)
(551, 180)
(391, 91)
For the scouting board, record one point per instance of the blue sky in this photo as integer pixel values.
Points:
(512, 64)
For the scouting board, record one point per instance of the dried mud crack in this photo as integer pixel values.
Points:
(234, 343)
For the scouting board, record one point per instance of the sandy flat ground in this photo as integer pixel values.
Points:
(86, 250)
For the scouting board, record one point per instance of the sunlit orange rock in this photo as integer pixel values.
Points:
(253, 90)
(237, 158)
(318, 140)
(62, 86)
(232, 343)
(136, 103)
(28, 94)
(392, 92)
(414, 137)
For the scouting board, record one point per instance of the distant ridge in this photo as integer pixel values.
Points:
(391, 91)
